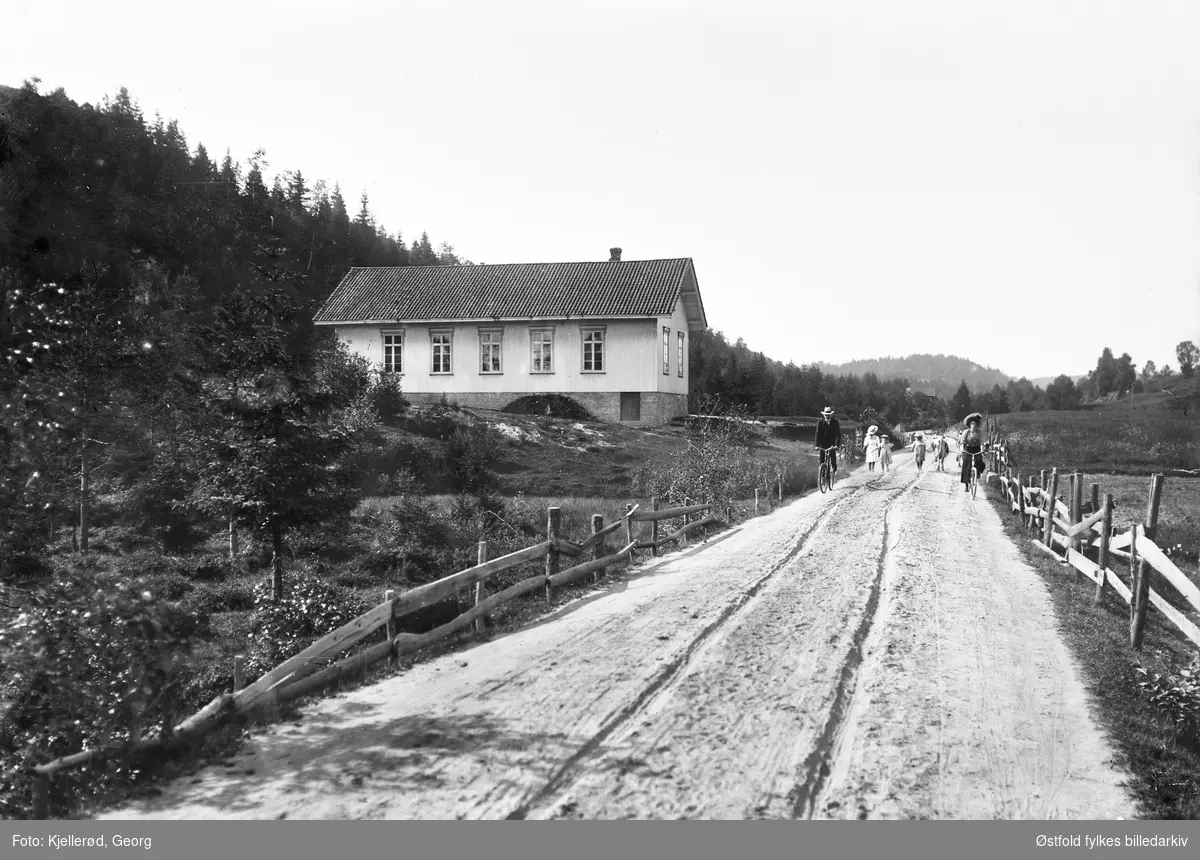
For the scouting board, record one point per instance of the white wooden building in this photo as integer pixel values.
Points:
(612, 335)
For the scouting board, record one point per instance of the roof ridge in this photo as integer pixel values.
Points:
(532, 263)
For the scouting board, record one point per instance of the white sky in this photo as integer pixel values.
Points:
(901, 160)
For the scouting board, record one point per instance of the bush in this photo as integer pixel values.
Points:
(1177, 694)
(75, 660)
(309, 609)
(411, 538)
(386, 397)
(467, 456)
(343, 374)
(554, 405)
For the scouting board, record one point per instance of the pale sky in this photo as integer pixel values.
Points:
(899, 165)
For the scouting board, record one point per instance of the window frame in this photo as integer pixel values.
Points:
(549, 331)
(681, 354)
(496, 352)
(384, 334)
(584, 331)
(434, 334)
(666, 350)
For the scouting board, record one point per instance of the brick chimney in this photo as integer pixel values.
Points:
(614, 255)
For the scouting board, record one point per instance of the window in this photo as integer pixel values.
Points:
(542, 343)
(679, 361)
(393, 352)
(489, 350)
(442, 341)
(593, 350)
(666, 350)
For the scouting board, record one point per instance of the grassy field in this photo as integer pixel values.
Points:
(1111, 441)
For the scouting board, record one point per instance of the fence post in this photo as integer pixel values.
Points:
(1138, 601)
(1105, 529)
(1142, 579)
(1041, 479)
(599, 550)
(1076, 509)
(553, 518)
(730, 512)
(239, 672)
(1050, 495)
(756, 501)
(1095, 497)
(480, 558)
(780, 477)
(654, 528)
(629, 528)
(684, 540)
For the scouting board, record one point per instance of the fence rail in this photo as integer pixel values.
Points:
(1070, 530)
(310, 669)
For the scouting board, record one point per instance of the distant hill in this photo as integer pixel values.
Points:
(1043, 381)
(939, 375)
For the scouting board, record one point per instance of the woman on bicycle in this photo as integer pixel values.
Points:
(970, 444)
(829, 435)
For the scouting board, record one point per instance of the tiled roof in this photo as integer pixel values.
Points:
(512, 291)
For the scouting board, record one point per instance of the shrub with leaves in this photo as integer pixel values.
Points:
(716, 466)
(309, 608)
(87, 661)
(1177, 694)
(467, 456)
(387, 397)
(412, 538)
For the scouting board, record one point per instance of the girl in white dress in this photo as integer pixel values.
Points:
(872, 446)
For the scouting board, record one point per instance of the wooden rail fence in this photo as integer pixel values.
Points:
(311, 669)
(1079, 532)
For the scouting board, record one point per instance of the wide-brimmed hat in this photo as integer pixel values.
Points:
(874, 428)
(827, 411)
(974, 415)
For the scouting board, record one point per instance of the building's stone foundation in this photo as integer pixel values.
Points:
(657, 407)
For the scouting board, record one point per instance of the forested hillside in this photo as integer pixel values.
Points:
(938, 375)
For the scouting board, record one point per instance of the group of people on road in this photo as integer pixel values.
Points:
(878, 449)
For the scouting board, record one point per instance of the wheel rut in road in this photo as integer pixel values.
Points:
(731, 734)
(819, 764)
(672, 671)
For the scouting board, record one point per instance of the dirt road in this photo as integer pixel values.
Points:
(877, 652)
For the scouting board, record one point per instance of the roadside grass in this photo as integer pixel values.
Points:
(1162, 759)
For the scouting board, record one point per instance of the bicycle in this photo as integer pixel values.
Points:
(825, 473)
(974, 484)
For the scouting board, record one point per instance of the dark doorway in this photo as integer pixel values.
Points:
(631, 406)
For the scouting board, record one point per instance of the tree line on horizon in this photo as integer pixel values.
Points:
(734, 374)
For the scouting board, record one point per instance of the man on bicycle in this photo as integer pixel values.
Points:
(970, 445)
(829, 435)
